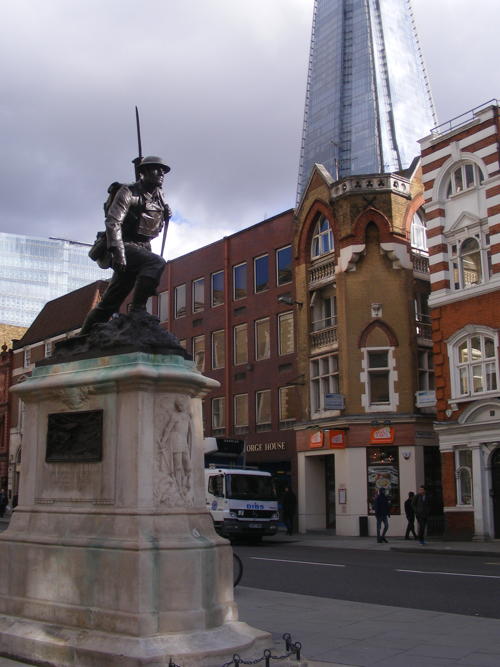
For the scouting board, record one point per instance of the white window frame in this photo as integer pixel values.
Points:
(326, 381)
(456, 241)
(453, 344)
(418, 234)
(425, 381)
(323, 311)
(366, 371)
(459, 181)
(27, 357)
(320, 237)
(48, 348)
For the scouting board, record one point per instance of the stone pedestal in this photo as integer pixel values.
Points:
(111, 558)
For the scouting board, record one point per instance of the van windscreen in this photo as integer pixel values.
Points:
(250, 487)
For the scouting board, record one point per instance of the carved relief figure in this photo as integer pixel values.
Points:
(173, 481)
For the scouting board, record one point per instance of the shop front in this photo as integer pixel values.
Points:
(341, 471)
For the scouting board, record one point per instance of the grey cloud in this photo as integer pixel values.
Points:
(220, 85)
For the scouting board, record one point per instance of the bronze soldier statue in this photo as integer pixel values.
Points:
(136, 215)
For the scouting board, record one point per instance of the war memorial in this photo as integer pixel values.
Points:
(111, 559)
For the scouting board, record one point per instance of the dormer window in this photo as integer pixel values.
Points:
(322, 240)
(464, 177)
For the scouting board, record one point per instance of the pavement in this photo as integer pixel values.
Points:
(342, 633)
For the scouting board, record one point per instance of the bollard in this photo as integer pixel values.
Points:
(297, 646)
(288, 641)
(267, 656)
(236, 660)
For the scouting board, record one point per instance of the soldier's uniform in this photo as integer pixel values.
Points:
(134, 218)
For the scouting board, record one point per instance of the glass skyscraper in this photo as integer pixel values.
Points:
(368, 100)
(36, 270)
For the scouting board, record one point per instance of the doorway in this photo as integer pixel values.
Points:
(495, 486)
(330, 509)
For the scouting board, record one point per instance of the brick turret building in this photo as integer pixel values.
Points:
(364, 350)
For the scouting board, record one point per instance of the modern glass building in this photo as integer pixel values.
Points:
(368, 98)
(36, 270)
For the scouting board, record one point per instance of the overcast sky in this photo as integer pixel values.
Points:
(220, 86)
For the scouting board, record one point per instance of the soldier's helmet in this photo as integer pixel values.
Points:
(154, 160)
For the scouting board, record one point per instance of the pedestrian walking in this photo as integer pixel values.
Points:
(410, 516)
(382, 508)
(3, 502)
(289, 505)
(421, 507)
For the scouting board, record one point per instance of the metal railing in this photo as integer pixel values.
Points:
(424, 327)
(420, 262)
(463, 119)
(292, 649)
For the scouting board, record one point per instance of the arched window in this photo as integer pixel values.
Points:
(475, 365)
(418, 234)
(322, 240)
(464, 177)
(466, 263)
(463, 462)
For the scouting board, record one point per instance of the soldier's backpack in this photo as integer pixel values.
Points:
(99, 252)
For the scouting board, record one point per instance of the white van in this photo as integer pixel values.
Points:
(242, 502)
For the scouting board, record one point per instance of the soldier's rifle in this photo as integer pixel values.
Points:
(137, 161)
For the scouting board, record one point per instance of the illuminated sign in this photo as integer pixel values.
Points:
(316, 440)
(382, 435)
(336, 439)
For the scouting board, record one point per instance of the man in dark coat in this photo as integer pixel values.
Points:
(382, 508)
(289, 505)
(410, 516)
(421, 507)
(136, 215)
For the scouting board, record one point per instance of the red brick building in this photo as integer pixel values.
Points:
(231, 304)
(461, 173)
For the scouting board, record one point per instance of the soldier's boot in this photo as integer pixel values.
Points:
(95, 316)
(144, 288)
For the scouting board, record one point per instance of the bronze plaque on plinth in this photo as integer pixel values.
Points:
(74, 437)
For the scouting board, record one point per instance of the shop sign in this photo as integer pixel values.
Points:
(382, 435)
(334, 401)
(316, 440)
(265, 447)
(336, 439)
(425, 399)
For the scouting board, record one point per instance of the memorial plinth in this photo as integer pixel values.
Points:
(111, 558)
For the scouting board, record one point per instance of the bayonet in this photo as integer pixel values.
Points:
(138, 159)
